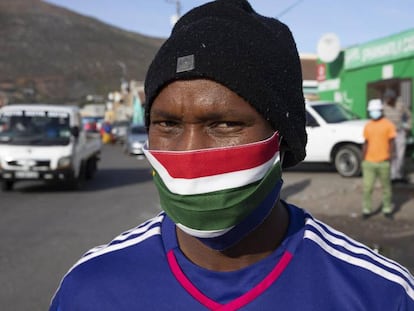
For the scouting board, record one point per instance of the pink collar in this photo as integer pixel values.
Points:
(238, 302)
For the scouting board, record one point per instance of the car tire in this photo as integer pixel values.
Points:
(347, 161)
(7, 185)
(125, 149)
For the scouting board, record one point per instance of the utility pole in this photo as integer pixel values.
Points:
(123, 68)
(288, 9)
(177, 14)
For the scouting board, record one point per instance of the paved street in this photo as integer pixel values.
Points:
(44, 229)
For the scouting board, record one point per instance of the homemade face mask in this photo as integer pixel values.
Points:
(375, 114)
(219, 194)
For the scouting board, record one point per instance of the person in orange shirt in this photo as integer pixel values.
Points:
(378, 150)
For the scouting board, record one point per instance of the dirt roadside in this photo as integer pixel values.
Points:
(337, 202)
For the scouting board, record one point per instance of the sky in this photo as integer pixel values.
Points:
(353, 21)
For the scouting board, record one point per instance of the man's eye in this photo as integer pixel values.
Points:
(227, 124)
(165, 124)
(226, 127)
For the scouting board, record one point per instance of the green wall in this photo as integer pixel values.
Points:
(384, 61)
(354, 83)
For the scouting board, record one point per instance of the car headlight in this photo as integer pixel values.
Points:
(65, 162)
(137, 144)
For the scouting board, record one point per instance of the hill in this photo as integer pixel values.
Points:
(48, 53)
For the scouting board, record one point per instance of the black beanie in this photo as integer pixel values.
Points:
(254, 56)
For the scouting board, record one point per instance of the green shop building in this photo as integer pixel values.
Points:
(365, 71)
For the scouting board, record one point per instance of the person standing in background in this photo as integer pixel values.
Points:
(378, 149)
(400, 116)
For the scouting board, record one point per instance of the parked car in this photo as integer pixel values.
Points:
(135, 139)
(335, 136)
(119, 130)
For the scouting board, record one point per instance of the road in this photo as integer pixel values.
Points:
(45, 229)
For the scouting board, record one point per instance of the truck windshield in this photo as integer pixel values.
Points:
(41, 128)
(334, 113)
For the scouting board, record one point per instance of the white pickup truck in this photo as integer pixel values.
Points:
(335, 136)
(47, 143)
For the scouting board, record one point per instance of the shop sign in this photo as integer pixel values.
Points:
(329, 85)
(321, 72)
(379, 51)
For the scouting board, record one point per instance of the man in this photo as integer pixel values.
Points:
(399, 114)
(225, 112)
(378, 149)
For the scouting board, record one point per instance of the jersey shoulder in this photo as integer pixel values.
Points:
(356, 258)
(126, 257)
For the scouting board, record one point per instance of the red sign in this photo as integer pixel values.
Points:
(321, 72)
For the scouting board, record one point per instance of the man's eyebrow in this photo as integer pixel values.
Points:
(210, 115)
(159, 113)
(213, 115)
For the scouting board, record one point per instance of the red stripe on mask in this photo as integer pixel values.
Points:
(215, 161)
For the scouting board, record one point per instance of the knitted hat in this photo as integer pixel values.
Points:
(254, 56)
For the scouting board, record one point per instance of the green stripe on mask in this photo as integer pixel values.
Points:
(216, 210)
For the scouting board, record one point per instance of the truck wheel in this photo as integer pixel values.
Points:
(77, 182)
(7, 185)
(91, 167)
(347, 161)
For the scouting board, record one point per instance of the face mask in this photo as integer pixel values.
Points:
(219, 194)
(375, 114)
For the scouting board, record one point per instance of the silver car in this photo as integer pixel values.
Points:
(135, 139)
(119, 130)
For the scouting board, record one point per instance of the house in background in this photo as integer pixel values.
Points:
(309, 67)
(364, 71)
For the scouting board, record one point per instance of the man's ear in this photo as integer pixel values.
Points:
(282, 149)
(282, 154)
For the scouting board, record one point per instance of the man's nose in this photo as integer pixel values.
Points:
(192, 139)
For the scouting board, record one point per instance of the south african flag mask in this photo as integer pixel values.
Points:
(218, 194)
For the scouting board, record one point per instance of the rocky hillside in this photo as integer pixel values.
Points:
(48, 53)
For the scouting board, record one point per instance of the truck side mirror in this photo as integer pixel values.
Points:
(74, 130)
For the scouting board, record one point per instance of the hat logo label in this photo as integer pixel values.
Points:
(185, 63)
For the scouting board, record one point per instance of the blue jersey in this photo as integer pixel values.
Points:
(315, 268)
